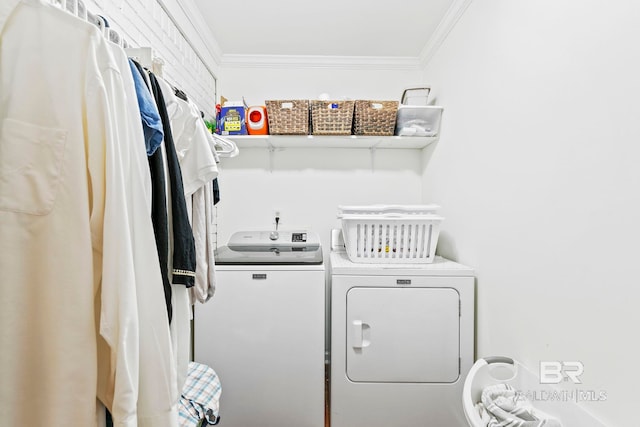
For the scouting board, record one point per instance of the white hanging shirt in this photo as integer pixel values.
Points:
(199, 169)
(204, 228)
(158, 395)
(189, 132)
(68, 304)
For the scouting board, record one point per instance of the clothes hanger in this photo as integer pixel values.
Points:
(111, 34)
(225, 147)
(62, 4)
(78, 8)
(71, 6)
(157, 65)
(114, 37)
(81, 10)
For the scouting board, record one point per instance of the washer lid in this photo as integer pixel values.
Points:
(269, 247)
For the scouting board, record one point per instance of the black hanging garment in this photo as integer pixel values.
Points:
(216, 192)
(159, 216)
(184, 250)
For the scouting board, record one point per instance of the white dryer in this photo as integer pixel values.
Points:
(263, 331)
(402, 342)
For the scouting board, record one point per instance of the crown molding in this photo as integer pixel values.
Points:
(319, 61)
(448, 22)
(219, 59)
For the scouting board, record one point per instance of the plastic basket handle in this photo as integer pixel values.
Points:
(391, 208)
(408, 217)
(498, 359)
(404, 93)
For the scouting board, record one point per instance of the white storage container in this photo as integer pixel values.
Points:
(416, 96)
(418, 120)
(390, 234)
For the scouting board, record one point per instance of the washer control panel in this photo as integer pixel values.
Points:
(298, 237)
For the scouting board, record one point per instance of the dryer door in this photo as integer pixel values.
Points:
(403, 335)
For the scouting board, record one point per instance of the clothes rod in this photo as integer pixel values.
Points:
(175, 23)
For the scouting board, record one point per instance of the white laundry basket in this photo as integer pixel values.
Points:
(390, 234)
(503, 370)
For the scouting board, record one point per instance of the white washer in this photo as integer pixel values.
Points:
(263, 331)
(402, 342)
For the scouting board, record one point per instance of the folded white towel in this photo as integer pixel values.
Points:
(503, 406)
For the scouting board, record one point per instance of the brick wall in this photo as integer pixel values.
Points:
(146, 23)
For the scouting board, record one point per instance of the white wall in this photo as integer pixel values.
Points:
(312, 77)
(537, 171)
(307, 185)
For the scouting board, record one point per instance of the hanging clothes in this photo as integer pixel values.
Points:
(81, 313)
(184, 257)
(204, 222)
(196, 164)
(157, 391)
(66, 255)
(199, 169)
(195, 156)
(149, 115)
(159, 215)
(216, 192)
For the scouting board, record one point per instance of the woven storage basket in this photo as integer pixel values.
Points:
(288, 117)
(375, 117)
(331, 117)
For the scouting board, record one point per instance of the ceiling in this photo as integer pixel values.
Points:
(398, 28)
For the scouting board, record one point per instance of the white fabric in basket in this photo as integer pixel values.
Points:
(503, 406)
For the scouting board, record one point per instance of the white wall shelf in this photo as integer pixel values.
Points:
(322, 141)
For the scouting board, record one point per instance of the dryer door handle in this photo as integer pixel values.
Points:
(360, 334)
(357, 334)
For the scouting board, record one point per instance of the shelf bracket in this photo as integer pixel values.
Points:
(372, 151)
(272, 151)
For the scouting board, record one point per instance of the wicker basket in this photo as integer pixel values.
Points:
(331, 117)
(375, 117)
(288, 117)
